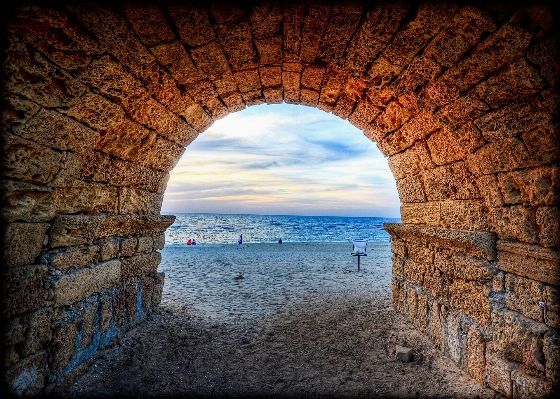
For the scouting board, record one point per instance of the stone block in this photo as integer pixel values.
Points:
(81, 283)
(85, 197)
(87, 324)
(414, 271)
(455, 342)
(34, 77)
(526, 386)
(128, 246)
(404, 163)
(265, 19)
(490, 190)
(532, 261)
(394, 116)
(342, 24)
(398, 295)
(237, 41)
(535, 186)
(403, 354)
(469, 137)
(108, 248)
(309, 97)
(476, 362)
(247, 79)
(192, 22)
(27, 377)
(176, 59)
(511, 120)
(498, 282)
(71, 257)
(63, 345)
(147, 292)
(479, 244)
(523, 295)
(52, 129)
(551, 348)
(332, 84)
(270, 49)
(22, 243)
(421, 320)
(140, 265)
(23, 289)
(411, 189)
(466, 215)
(545, 54)
(420, 254)
(344, 106)
(210, 58)
(253, 97)
(139, 201)
(452, 181)
(125, 305)
(312, 31)
(39, 331)
(519, 79)
(145, 244)
(437, 283)
(469, 299)
(148, 21)
(543, 144)
(490, 56)
(106, 312)
(435, 330)
(271, 75)
(398, 267)
(125, 225)
(548, 220)
(291, 85)
(158, 289)
(96, 111)
(516, 222)
(464, 109)
(472, 268)
(498, 373)
(234, 101)
(444, 147)
(158, 240)
(551, 299)
(28, 161)
(428, 213)
(291, 29)
(25, 202)
(517, 338)
(417, 128)
(398, 247)
(411, 302)
(273, 95)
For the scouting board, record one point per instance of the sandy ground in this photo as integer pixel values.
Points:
(323, 343)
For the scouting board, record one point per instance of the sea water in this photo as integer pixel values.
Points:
(314, 259)
(209, 228)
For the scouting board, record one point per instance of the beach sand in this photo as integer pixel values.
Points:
(302, 322)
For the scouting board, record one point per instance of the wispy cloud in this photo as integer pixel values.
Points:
(283, 159)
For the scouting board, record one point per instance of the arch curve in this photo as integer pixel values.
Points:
(100, 101)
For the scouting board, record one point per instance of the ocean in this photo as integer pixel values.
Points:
(315, 259)
(209, 228)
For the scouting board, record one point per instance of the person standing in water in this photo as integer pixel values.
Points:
(240, 239)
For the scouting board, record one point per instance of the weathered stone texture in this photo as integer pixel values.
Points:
(77, 285)
(22, 243)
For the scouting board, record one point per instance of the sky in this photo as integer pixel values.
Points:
(282, 159)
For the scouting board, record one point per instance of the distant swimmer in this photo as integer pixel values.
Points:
(240, 239)
(280, 241)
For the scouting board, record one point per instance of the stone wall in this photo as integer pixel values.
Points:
(100, 100)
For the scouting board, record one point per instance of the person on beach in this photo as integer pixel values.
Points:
(189, 242)
(280, 241)
(193, 241)
(240, 239)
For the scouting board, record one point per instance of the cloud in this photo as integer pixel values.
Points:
(283, 159)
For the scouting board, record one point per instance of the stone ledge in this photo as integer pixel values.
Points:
(70, 230)
(531, 261)
(477, 243)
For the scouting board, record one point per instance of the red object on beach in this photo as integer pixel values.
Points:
(189, 242)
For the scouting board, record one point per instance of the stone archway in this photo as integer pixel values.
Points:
(101, 100)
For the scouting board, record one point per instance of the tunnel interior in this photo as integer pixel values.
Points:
(100, 101)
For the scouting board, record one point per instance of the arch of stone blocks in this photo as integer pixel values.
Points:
(100, 101)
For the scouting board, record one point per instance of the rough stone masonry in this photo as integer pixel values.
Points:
(100, 100)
